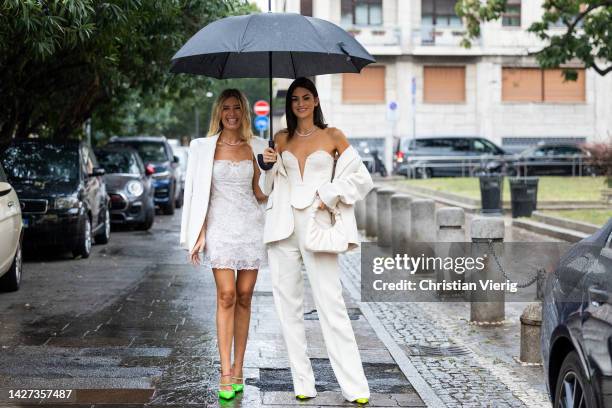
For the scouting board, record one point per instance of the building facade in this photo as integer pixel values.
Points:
(494, 89)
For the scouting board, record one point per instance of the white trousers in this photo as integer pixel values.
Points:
(286, 258)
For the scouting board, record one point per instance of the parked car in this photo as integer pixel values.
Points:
(129, 186)
(577, 325)
(448, 156)
(62, 193)
(548, 159)
(11, 235)
(182, 152)
(155, 150)
(367, 149)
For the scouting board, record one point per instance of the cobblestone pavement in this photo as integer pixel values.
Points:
(466, 365)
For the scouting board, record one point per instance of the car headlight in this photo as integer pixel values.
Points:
(134, 188)
(64, 203)
(162, 174)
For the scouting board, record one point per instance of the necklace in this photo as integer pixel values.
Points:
(310, 132)
(239, 142)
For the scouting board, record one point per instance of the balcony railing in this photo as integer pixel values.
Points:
(432, 35)
(376, 36)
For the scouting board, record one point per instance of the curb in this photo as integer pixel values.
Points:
(565, 223)
(549, 230)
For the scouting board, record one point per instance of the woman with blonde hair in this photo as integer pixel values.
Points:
(222, 218)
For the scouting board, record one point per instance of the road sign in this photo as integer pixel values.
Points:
(392, 111)
(261, 108)
(261, 123)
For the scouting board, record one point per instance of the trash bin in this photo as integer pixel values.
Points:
(491, 188)
(523, 195)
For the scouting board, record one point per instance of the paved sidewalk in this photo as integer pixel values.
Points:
(269, 382)
(465, 365)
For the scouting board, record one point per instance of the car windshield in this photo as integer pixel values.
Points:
(41, 162)
(118, 162)
(149, 151)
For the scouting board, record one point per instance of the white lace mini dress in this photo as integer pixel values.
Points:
(235, 220)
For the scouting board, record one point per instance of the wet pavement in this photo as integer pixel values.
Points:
(134, 325)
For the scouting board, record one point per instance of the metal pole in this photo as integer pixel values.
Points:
(270, 84)
(197, 122)
(270, 88)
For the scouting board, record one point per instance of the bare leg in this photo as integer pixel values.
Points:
(226, 301)
(242, 316)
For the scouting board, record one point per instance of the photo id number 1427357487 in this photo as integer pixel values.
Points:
(37, 394)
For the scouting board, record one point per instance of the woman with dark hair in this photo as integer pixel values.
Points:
(300, 186)
(222, 218)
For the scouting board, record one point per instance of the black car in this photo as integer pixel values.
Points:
(548, 159)
(577, 325)
(448, 156)
(62, 193)
(156, 151)
(129, 186)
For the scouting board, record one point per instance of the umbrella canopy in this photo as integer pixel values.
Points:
(274, 45)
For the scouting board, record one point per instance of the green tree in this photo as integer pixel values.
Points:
(62, 59)
(587, 36)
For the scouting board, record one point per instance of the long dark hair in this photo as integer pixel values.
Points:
(319, 120)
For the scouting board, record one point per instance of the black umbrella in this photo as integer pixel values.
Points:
(281, 45)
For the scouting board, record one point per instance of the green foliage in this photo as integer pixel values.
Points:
(173, 117)
(61, 60)
(587, 36)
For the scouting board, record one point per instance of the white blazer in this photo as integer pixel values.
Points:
(197, 185)
(351, 183)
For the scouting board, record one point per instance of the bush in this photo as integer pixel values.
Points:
(601, 158)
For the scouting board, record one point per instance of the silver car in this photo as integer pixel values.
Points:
(10, 236)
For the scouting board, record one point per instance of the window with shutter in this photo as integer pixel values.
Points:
(444, 84)
(367, 87)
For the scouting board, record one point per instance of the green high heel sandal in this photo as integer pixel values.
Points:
(226, 394)
(361, 401)
(238, 387)
(302, 397)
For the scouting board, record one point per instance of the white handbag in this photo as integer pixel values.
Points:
(325, 238)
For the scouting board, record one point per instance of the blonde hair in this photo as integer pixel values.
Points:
(216, 126)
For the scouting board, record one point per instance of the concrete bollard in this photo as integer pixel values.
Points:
(487, 307)
(531, 324)
(450, 222)
(422, 220)
(371, 210)
(383, 216)
(422, 231)
(400, 222)
(449, 231)
(360, 214)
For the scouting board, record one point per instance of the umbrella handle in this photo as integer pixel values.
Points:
(260, 160)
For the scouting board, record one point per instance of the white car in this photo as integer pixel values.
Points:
(10, 236)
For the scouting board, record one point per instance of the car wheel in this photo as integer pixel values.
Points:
(423, 173)
(104, 236)
(83, 246)
(11, 280)
(179, 201)
(168, 209)
(573, 390)
(148, 222)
